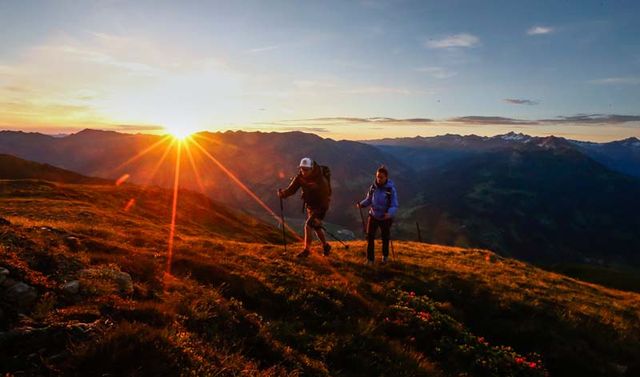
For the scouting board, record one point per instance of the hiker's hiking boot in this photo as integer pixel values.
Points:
(304, 253)
(369, 262)
(327, 249)
(385, 260)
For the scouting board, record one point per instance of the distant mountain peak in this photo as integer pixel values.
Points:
(552, 142)
(512, 136)
(631, 142)
(94, 134)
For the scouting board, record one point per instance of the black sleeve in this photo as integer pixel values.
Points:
(294, 185)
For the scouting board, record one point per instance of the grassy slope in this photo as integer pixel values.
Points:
(241, 308)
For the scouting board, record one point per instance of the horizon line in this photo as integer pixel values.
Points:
(122, 132)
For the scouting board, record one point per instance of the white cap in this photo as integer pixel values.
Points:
(306, 163)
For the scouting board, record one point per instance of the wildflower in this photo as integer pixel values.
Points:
(532, 365)
(519, 360)
(412, 294)
(480, 340)
(424, 316)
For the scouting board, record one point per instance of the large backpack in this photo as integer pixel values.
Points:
(326, 172)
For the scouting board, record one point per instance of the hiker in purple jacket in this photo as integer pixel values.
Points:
(383, 199)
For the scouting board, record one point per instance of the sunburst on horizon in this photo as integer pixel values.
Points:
(181, 131)
(183, 138)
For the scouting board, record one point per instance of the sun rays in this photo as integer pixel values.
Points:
(180, 142)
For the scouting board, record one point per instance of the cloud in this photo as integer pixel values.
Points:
(617, 81)
(321, 130)
(91, 54)
(437, 72)
(136, 127)
(326, 124)
(594, 119)
(486, 120)
(540, 30)
(455, 40)
(354, 120)
(580, 119)
(517, 101)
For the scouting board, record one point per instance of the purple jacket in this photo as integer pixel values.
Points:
(382, 199)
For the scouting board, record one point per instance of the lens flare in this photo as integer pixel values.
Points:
(140, 154)
(174, 209)
(244, 187)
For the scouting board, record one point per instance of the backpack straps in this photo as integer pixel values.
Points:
(389, 192)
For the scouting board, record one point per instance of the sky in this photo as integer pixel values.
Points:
(342, 69)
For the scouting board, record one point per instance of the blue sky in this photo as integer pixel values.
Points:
(281, 65)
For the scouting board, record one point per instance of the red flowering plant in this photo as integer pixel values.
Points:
(417, 320)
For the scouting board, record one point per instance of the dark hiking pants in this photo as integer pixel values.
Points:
(372, 227)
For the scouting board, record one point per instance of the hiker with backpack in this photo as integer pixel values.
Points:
(383, 199)
(315, 181)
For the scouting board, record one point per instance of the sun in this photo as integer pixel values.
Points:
(180, 131)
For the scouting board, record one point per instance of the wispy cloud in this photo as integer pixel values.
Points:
(136, 127)
(617, 81)
(487, 120)
(579, 119)
(452, 41)
(594, 119)
(345, 121)
(540, 30)
(332, 124)
(320, 130)
(91, 54)
(437, 72)
(518, 101)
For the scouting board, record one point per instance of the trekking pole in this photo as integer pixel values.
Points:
(335, 238)
(393, 250)
(284, 238)
(364, 227)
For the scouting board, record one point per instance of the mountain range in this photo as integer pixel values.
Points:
(542, 199)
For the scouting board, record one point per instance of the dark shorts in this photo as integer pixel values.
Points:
(315, 217)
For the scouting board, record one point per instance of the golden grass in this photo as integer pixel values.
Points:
(302, 311)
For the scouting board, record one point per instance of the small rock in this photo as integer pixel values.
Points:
(124, 282)
(3, 274)
(8, 282)
(121, 280)
(21, 294)
(73, 243)
(72, 287)
(4, 221)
